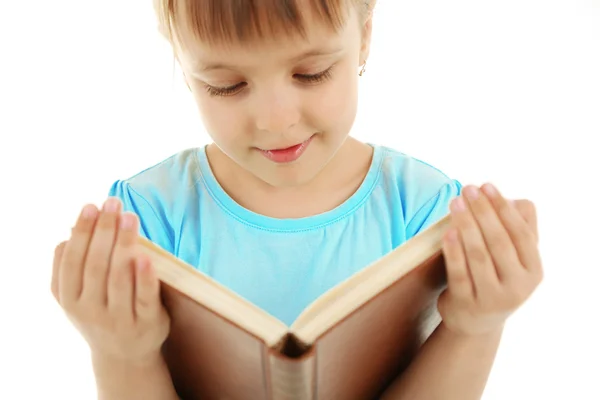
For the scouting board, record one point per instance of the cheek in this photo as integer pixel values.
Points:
(217, 119)
(336, 105)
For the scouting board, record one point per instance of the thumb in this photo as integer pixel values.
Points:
(147, 290)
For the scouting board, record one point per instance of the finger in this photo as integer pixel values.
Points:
(479, 261)
(147, 290)
(70, 271)
(459, 278)
(121, 275)
(529, 214)
(498, 241)
(97, 262)
(58, 254)
(523, 237)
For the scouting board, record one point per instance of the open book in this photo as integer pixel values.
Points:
(349, 344)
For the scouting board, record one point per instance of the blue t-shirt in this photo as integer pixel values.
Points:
(282, 265)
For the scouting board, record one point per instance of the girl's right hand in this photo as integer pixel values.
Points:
(109, 293)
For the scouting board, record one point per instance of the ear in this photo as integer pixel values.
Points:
(366, 32)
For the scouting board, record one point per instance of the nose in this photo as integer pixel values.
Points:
(277, 111)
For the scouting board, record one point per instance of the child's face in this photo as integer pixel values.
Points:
(270, 95)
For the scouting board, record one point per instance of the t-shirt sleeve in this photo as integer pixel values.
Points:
(433, 209)
(152, 226)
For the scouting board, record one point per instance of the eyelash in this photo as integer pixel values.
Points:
(232, 90)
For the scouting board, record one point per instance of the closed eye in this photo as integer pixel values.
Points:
(234, 89)
(225, 91)
(316, 78)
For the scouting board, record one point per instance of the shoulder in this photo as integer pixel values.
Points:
(158, 194)
(423, 191)
(168, 174)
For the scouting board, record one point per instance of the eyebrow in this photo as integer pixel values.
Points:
(200, 66)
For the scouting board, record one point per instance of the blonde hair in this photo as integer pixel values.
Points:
(227, 21)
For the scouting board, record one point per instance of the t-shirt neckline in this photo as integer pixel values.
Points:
(259, 221)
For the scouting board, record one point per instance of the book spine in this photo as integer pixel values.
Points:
(292, 378)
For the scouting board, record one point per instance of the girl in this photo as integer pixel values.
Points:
(285, 201)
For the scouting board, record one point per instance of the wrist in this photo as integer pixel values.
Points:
(144, 378)
(149, 360)
(490, 334)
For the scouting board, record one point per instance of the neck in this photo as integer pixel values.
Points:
(330, 188)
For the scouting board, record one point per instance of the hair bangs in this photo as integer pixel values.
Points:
(244, 21)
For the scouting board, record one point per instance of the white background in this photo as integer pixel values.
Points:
(503, 91)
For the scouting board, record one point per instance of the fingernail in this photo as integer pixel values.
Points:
(126, 222)
(89, 212)
(472, 192)
(489, 189)
(458, 204)
(452, 235)
(111, 205)
(142, 265)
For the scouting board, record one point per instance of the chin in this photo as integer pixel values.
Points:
(286, 177)
(298, 173)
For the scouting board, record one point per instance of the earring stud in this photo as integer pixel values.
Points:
(363, 69)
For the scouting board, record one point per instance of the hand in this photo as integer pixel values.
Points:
(111, 295)
(492, 261)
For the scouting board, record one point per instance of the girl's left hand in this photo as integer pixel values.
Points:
(492, 260)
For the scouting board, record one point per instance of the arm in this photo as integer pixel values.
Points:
(449, 366)
(117, 379)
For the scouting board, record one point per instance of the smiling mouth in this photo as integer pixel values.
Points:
(282, 148)
(287, 154)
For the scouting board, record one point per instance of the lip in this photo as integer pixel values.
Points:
(288, 154)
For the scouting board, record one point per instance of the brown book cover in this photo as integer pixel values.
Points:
(349, 344)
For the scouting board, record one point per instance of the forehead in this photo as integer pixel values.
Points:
(199, 26)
